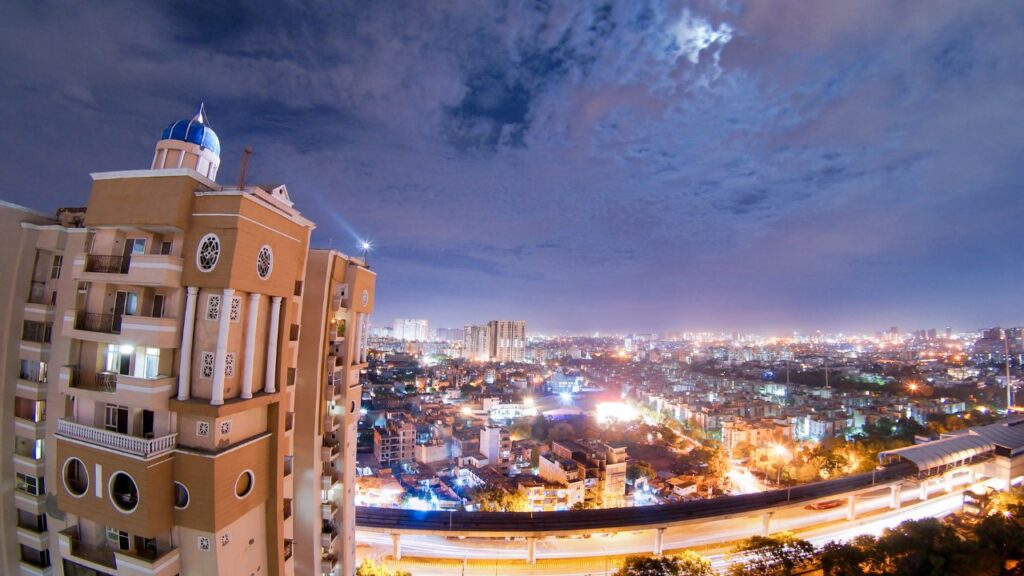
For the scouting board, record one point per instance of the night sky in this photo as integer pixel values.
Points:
(637, 166)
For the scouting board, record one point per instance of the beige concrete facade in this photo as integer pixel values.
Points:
(152, 368)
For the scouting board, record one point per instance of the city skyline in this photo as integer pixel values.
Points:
(845, 168)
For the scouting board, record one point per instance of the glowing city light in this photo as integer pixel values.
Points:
(615, 412)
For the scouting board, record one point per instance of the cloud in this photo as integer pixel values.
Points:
(587, 165)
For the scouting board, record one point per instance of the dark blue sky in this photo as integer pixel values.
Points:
(628, 166)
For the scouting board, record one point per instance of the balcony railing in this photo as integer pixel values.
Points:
(101, 381)
(144, 447)
(105, 323)
(38, 294)
(108, 264)
(92, 553)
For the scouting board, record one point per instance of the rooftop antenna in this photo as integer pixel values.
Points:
(1006, 356)
(245, 167)
(366, 252)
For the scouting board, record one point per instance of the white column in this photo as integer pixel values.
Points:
(659, 541)
(766, 519)
(851, 507)
(250, 345)
(220, 359)
(895, 496)
(185, 360)
(396, 546)
(270, 385)
(531, 550)
(924, 489)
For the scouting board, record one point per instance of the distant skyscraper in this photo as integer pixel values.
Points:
(506, 340)
(474, 344)
(411, 329)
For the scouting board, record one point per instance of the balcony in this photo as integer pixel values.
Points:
(26, 568)
(102, 323)
(99, 382)
(329, 479)
(327, 563)
(142, 447)
(137, 269)
(328, 538)
(287, 508)
(328, 510)
(90, 555)
(146, 331)
(288, 548)
(107, 264)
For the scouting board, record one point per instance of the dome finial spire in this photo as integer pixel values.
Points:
(201, 114)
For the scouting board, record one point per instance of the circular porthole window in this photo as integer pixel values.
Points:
(244, 484)
(207, 253)
(76, 477)
(124, 492)
(180, 496)
(264, 262)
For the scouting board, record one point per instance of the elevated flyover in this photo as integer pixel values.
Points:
(543, 524)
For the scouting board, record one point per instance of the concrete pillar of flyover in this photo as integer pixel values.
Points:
(851, 507)
(531, 550)
(766, 520)
(659, 541)
(948, 481)
(894, 496)
(396, 546)
(924, 489)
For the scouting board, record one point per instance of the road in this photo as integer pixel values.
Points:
(599, 554)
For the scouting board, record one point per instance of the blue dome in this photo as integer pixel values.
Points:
(194, 131)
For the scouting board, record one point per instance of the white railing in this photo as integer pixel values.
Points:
(145, 447)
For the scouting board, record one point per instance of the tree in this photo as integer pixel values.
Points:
(498, 500)
(929, 547)
(686, 564)
(639, 469)
(777, 555)
(371, 567)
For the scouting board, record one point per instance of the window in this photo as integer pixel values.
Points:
(28, 484)
(264, 262)
(135, 246)
(76, 478)
(204, 543)
(40, 558)
(225, 539)
(235, 311)
(202, 428)
(119, 359)
(152, 366)
(180, 496)
(118, 538)
(206, 366)
(213, 307)
(36, 331)
(58, 260)
(244, 484)
(229, 365)
(165, 248)
(158, 306)
(123, 492)
(225, 427)
(207, 253)
(115, 418)
(30, 521)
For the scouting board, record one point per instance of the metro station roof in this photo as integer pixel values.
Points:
(943, 451)
(1007, 434)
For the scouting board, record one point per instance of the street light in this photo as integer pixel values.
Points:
(365, 247)
(780, 452)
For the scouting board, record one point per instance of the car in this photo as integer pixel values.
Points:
(824, 505)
